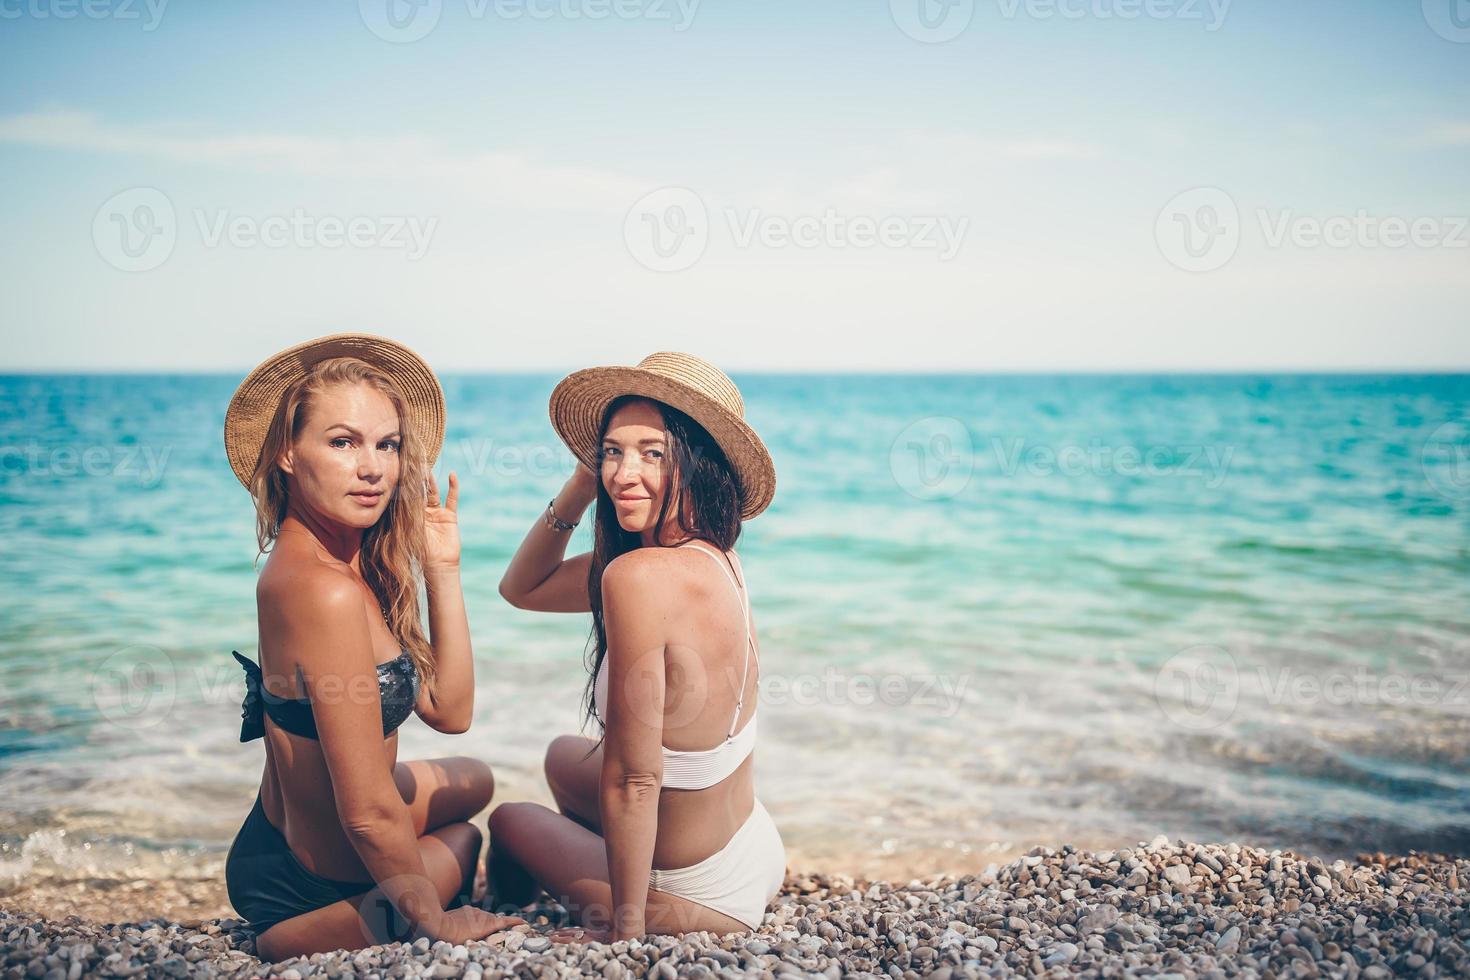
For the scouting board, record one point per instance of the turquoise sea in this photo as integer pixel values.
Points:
(995, 611)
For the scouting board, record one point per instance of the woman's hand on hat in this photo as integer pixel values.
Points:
(441, 526)
(583, 482)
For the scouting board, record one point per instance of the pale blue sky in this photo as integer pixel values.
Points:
(498, 169)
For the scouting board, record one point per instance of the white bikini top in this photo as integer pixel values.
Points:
(703, 768)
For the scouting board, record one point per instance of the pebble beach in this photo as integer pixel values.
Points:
(1160, 908)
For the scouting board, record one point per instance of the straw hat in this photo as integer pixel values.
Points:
(259, 396)
(693, 386)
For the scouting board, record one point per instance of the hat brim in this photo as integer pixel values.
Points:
(580, 399)
(256, 401)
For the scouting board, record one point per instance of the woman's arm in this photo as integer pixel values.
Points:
(449, 706)
(538, 577)
(632, 759)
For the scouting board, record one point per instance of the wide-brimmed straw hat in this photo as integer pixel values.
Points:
(693, 386)
(258, 398)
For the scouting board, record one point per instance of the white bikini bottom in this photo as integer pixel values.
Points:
(739, 879)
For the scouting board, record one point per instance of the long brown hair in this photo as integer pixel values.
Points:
(392, 550)
(701, 490)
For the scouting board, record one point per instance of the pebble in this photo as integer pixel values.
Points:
(1100, 919)
(1157, 908)
(1177, 875)
(1062, 953)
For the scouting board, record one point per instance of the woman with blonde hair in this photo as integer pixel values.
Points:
(346, 847)
(659, 829)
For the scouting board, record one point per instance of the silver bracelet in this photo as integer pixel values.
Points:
(554, 522)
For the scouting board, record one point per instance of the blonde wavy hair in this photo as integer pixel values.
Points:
(392, 554)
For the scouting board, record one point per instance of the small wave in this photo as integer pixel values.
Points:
(51, 853)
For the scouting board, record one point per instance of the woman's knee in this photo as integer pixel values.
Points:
(556, 754)
(563, 756)
(479, 779)
(504, 818)
(464, 838)
(267, 947)
(469, 781)
(509, 821)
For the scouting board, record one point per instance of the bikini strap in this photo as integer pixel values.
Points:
(744, 596)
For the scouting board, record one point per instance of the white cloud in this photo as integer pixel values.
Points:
(918, 172)
(498, 177)
(972, 149)
(884, 187)
(1047, 150)
(1454, 134)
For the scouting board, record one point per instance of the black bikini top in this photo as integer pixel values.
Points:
(398, 688)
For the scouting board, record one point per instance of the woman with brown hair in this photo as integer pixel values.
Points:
(659, 829)
(334, 439)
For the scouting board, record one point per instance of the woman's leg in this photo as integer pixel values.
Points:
(570, 862)
(450, 854)
(574, 776)
(439, 792)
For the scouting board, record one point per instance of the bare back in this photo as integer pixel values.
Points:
(296, 785)
(703, 661)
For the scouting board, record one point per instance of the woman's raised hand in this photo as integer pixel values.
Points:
(583, 482)
(441, 525)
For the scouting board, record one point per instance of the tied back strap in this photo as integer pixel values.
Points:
(252, 710)
(744, 595)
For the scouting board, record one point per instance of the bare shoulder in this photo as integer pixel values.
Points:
(645, 599)
(634, 571)
(296, 585)
(651, 578)
(657, 578)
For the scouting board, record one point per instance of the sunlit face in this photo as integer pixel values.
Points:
(636, 464)
(344, 465)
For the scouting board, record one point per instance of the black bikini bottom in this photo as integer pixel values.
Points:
(266, 882)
